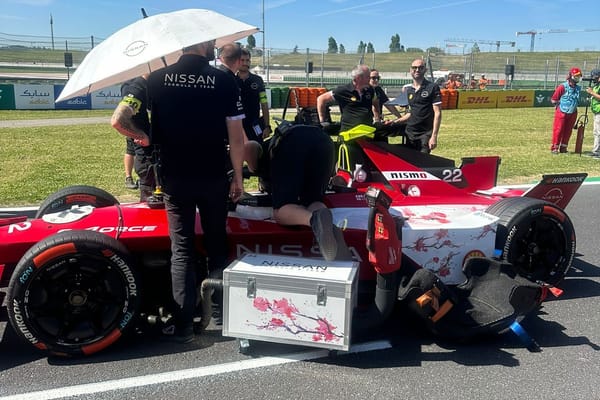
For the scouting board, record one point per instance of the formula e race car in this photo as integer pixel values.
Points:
(86, 269)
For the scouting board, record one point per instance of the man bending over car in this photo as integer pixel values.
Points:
(297, 163)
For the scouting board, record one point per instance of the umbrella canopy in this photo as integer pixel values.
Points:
(150, 44)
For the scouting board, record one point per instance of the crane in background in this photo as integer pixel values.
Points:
(497, 43)
(535, 32)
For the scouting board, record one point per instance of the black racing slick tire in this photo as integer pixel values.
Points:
(79, 195)
(535, 236)
(74, 293)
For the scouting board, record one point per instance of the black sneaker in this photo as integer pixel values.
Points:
(343, 252)
(171, 334)
(321, 223)
(130, 184)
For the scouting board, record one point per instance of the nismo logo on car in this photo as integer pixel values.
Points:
(408, 175)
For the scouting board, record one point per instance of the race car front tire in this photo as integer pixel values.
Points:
(74, 293)
(535, 236)
(78, 195)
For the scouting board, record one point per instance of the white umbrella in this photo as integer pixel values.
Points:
(150, 44)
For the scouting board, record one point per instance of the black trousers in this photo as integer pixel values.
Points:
(181, 205)
(143, 168)
(420, 142)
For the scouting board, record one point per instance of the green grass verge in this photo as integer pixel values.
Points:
(8, 115)
(35, 162)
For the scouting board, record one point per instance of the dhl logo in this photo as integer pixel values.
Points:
(478, 100)
(516, 99)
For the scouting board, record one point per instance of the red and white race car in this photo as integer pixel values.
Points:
(86, 269)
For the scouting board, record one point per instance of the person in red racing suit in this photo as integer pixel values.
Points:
(565, 98)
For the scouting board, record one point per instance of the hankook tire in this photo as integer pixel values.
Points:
(74, 293)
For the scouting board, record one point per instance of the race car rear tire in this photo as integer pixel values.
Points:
(80, 195)
(74, 293)
(535, 236)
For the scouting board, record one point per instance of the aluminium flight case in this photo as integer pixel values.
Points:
(291, 300)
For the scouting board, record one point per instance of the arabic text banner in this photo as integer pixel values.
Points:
(34, 97)
(106, 98)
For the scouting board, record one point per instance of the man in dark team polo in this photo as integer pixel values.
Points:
(254, 99)
(131, 119)
(424, 116)
(358, 106)
(196, 111)
(357, 101)
(230, 55)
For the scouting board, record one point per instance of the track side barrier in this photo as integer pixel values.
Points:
(42, 96)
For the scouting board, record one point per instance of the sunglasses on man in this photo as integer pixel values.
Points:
(417, 67)
(376, 78)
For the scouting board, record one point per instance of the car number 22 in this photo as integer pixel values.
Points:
(452, 175)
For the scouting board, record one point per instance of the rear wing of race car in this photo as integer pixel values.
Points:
(405, 165)
(557, 188)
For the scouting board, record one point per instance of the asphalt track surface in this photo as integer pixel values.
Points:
(400, 362)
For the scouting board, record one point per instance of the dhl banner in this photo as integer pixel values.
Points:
(516, 98)
(480, 99)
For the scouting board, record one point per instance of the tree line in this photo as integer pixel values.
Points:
(395, 46)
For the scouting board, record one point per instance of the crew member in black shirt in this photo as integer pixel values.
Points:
(230, 55)
(297, 168)
(196, 111)
(358, 106)
(381, 96)
(425, 110)
(131, 119)
(254, 99)
(356, 100)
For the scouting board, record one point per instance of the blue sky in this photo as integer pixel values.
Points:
(309, 23)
